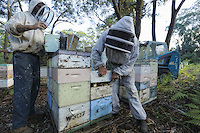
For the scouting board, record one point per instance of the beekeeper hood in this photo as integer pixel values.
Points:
(121, 34)
(44, 14)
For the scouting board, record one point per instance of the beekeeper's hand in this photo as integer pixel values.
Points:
(102, 71)
(22, 28)
(115, 76)
(40, 25)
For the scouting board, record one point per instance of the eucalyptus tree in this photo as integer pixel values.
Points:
(188, 28)
(103, 10)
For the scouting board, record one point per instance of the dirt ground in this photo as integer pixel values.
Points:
(124, 123)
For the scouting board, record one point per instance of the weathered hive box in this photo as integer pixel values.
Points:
(153, 92)
(143, 94)
(71, 75)
(71, 93)
(142, 85)
(71, 59)
(43, 71)
(100, 107)
(152, 77)
(49, 99)
(101, 91)
(142, 69)
(6, 83)
(152, 63)
(6, 75)
(68, 117)
(49, 83)
(154, 66)
(96, 79)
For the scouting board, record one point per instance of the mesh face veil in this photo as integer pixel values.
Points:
(45, 14)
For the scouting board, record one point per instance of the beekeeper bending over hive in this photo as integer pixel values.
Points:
(122, 50)
(27, 40)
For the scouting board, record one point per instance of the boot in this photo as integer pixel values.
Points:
(142, 126)
(24, 129)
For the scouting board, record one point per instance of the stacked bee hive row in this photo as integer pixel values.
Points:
(6, 75)
(101, 95)
(68, 92)
(76, 95)
(145, 80)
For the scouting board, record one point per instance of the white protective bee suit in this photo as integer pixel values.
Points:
(31, 41)
(26, 48)
(121, 61)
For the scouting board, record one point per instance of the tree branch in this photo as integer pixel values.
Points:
(20, 6)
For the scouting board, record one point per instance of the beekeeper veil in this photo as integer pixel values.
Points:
(120, 36)
(41, 11)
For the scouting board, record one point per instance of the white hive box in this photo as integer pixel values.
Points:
(143, 69)
(49, 83)
(152, 77)
(71, 75)
(43, 71)
(71, 59)
(6, 83)
(96, 79)
(71, 93)
(101, 91)
(6, 75)
(143, 94)
(154, 66)
(6, 67)
(68, 117)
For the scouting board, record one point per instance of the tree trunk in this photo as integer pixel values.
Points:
(6, 33)
(139, 5)
(173, 20)
(117, 12)
(154, 21)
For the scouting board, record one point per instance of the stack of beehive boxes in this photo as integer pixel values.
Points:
(101, 95)
(43, 75)
(68, 92)
(145, 80)
(6, 75)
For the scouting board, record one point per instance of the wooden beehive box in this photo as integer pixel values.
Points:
(71, 93)
(96, 79)
(153, 92)
(100, 107)
(142, 69)
(142, 85)
(43, 71)
(71, 75)
(101, 91)
(143, 94)
(6, 75)
(146, 77)
(71, 59)
(69, 117)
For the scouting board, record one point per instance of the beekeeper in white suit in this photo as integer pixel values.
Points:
(122, 50)
(27, 44)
